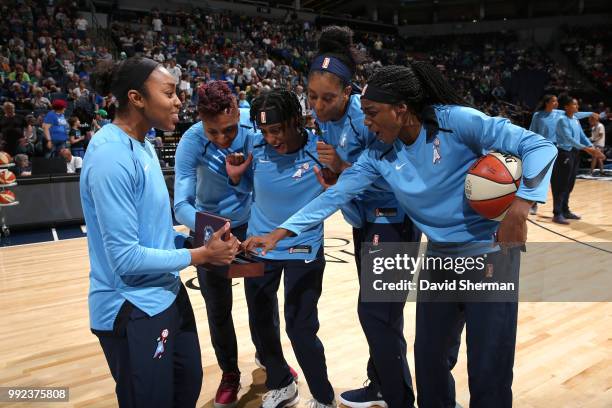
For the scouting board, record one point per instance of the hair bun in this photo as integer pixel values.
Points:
(335, 38)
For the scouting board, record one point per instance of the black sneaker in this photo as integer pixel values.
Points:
(571, 216)
(364, 397)
(559, 219)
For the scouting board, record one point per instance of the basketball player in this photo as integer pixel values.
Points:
(283, 181)
(433, 140)
(138, 307)
(201, 184)
(570, 141)
(374, 215)
(544, 122)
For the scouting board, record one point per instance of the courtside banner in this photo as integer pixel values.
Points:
(484, 272)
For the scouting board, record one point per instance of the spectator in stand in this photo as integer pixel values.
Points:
(54, 68)
(242, 100)
(34, 135)
(299, 92)
(73, 163)
(19, 75)
(11, 128)
(100, 120)
(157, 24)
(598, 137)
(55, 127)
(23, 168)
(81, 90)
(81, 25)
(185, 85)
(39, 101)
(77, 140)
(174, 70)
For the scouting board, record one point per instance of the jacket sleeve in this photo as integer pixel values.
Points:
(352, 182)
(185, 181)
(488, 133)
(113, 187)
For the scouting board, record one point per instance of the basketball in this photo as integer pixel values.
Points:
(7, 177)
(7, 197)
(491, 184)
(5, 158)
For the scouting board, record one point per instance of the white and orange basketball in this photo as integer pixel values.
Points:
(7, 177)
(7, 197)
(491, 184)
(5, 158)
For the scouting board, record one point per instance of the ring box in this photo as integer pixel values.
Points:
(243, 266)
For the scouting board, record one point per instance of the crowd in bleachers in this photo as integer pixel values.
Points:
(589, 48)
(47, 55)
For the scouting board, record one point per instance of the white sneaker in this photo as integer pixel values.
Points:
(313, 403)
(282, 397)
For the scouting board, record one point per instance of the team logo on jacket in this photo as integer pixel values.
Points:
(208, 233)
(343, 141)
(301, 171)
(161, 344)
(436, 151)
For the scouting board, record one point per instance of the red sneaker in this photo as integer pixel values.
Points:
(227, 393)
(294, 374)
(259, 364)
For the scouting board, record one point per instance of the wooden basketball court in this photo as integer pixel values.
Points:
(563, 353)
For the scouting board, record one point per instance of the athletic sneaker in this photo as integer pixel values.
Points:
(227, 393)
(365, 397)
(313, 403)
(571, 216)
(559, 219)
(282, 397)
(259, 364)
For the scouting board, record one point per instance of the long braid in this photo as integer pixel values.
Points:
(420, 84)
(437, 90)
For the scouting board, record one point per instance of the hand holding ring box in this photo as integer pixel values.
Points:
(243, 266)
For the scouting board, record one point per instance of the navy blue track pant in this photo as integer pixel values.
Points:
(303, 284)
(148, 371)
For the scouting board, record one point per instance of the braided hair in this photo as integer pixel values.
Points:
(420, 84)
(336, 41)
(285, 102)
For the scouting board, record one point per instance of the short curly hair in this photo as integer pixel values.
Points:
(214, 98)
